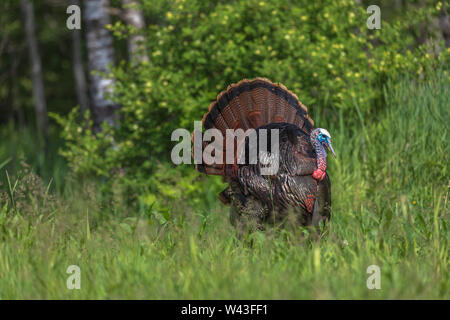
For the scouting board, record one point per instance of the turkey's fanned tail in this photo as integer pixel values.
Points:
(250, 104)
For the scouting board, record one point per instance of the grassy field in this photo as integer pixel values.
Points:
(390, 188)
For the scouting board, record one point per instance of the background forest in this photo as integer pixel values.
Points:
(86, 118)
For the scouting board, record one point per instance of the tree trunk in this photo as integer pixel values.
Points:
(136, 42)
(78, 69)
(36, 68)
(100, 55)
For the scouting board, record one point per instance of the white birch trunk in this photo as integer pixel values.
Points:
(100, 56)
(136, 42)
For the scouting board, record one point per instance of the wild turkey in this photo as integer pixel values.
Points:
(301, 186)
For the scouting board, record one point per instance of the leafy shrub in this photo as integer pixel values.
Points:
(321, 50)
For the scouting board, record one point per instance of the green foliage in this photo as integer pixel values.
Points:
(83, 148)
(389, 209)
(322, 51)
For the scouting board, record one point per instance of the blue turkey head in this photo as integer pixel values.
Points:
(324, 137)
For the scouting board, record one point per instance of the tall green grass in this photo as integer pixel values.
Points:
(390, 208)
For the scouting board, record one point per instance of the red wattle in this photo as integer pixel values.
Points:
(318, 174)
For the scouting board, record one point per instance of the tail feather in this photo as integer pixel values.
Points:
(252, 104)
